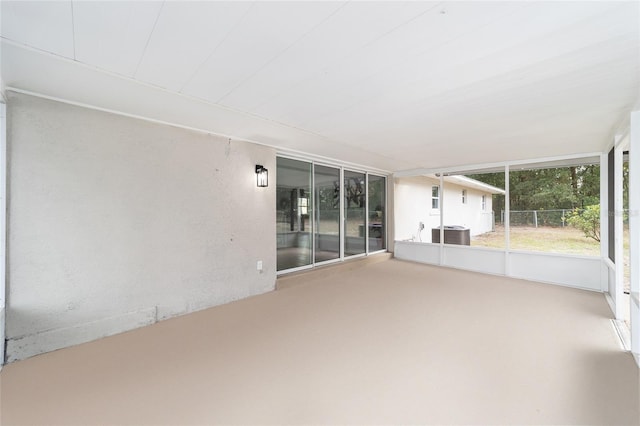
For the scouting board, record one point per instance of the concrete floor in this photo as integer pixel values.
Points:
(388, 342)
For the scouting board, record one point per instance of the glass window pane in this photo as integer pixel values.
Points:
(377, 201)
(327, 213)
(435, 197)
(476, 219)
(555, 209)
(293, 208)
(354, 213)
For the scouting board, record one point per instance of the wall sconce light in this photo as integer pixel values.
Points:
(262, 176)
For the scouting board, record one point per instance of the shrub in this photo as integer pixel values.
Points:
(588, 221)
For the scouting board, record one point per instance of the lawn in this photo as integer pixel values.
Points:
(549, 239)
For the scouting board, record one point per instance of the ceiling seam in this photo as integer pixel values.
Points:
(518, 74)
(368, 77)
(279, 149)
(145, 84)
(146, 46)
(407, 84)
(367, 99)
(226, 36)
(502, 92)
(305, 35)
(73, 31)
(343, 57)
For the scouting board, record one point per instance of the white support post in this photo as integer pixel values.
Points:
(366, 213)
(506, 221)
(618, 218)
(441, 200)
(634, 231)
(342, 227)
(604, 226)
(3, 226)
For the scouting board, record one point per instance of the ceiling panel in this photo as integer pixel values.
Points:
(113, 35)
(265, 32)
(559, 108)
(560, 112)
(476, 81)
(535, 59)
(88, 86)
(40, 24)
(352, 27)
(183, 39)
(469, 58)
(298, 106)
(391, 85)
(395, 50)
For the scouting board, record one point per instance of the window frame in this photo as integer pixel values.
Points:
(435, 198)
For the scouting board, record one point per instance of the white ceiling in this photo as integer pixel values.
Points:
(391, 85)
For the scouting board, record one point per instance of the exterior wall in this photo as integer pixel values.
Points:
(115, 223)
(413, 205)
(469, 215)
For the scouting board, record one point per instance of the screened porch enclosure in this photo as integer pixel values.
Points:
(537, 220)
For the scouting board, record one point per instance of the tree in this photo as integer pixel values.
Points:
(625, 185)
(547, 188)
(588, 221)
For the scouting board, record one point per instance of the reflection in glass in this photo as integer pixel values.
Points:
(327, 213)
(293, 204)
(354, 213)
(377, 198)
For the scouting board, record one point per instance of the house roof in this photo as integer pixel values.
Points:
(467, 182)
(474, 184)
(389, 85)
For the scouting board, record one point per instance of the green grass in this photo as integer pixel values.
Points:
(555, 240)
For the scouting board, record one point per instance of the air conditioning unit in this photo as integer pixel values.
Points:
(452, 235)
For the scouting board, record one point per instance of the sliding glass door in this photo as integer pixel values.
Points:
(355, 198)
(293, 212)
(327, 213)
(377, 200)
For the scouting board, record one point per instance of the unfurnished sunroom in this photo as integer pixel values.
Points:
(163, 158)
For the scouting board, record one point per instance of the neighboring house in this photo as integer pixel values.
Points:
(464, 202)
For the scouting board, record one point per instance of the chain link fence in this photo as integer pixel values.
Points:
(536, 218)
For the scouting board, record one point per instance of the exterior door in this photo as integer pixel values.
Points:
(327, 213)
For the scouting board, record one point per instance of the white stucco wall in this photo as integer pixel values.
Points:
(470, 215)
(116, 223)
(413, 205)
